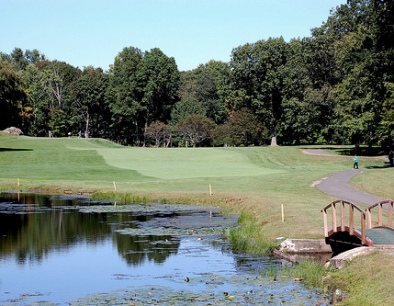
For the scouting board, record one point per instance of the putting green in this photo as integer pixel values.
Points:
(181, 163)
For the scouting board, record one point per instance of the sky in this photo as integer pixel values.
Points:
(92, 32)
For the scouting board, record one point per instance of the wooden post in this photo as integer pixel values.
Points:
(114, 185)
(380, 216)
(334, 218)
(363, 229)
(18, 182)
(325, 223)
(283, 214)
(351, 220)
(210, 189)
(369, 218)
(342, 216)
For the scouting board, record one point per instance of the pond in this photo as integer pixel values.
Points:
(69, 250)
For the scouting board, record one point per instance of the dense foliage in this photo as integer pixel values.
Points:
(336, 86)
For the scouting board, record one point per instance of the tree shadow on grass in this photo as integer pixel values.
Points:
(349, 151)
(384, 166)
(13, 150)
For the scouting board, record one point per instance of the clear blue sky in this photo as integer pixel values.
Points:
(93, 32)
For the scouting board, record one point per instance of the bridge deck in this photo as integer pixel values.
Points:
(381, 235)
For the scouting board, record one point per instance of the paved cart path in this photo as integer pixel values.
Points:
(338, 185)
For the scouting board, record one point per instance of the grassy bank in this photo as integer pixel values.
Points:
(253, 182)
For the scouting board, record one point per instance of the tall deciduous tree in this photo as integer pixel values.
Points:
(18, 59)
(243, 128)
(12, 96)
(184, 108)
(57, 79)
(88, 101)
(160, 81)
(143, 88)
(160, 133)
(124, 94)
(258, 79)
(358, 92)
(210, 84)
(38, 96)
(195, 128)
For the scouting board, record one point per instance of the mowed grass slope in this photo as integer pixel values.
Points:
(51, 162)
(256, 180)
(96, 163)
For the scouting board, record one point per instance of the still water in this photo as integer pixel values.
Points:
(64, 250)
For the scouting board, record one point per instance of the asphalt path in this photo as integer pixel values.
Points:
(338, 185)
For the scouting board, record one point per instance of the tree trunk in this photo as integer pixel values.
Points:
(87, 125)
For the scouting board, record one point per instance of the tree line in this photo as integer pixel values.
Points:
(336, 86)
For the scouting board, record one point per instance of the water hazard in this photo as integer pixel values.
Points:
(72, 251)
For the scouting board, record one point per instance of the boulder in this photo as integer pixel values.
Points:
(13, 130)
(305, 246)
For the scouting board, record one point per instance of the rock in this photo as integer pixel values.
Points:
(13, 130)
(340, 260)
(304, 246)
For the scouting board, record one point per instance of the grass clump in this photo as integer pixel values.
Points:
(312, 273)
(120, 198)
(367, 279)
(247, 237)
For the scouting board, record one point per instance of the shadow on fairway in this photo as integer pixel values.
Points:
(13, 150)
(386, 165)
(350, 151)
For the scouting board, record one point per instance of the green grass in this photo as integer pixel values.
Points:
(253, 182)
(368, 280)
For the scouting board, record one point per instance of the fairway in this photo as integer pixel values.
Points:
(99, 162)
(181, 163)
(273, 172)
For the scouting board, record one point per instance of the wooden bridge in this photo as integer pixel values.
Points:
(352, 226)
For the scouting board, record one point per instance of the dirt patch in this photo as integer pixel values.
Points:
(315, 183)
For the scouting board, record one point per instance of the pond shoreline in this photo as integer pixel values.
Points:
(162, 232)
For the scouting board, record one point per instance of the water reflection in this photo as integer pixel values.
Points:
(136, 250)
(52, 250)
(30, 231)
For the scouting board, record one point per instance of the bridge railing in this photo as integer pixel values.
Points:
(342, 222)
(381, 211)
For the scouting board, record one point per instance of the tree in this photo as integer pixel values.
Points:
(21, 60)
(124, 94)
(143, 87)
(359, 91)
(160, 86)
(58, 123)
(18, 59)
(34, 56)
(12, 96)
(185, 108)
(88, 100)
(210, 84)
(195, 128)
(38, 97)
(243, 128)
(386, 126)
(159, 132)
(56, 80)
(257, 79)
